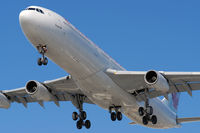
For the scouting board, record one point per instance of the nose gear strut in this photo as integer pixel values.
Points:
(42, 50)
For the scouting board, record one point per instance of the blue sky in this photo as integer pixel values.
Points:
(140, 35)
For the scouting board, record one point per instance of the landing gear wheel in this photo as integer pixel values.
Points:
(75, 116)
(154, 119)
(119, 116)
(145, 120)
(42, 50)
(87, 124)
(39, 61)
(79, 124)
(141, 111)
(83, 115)
(113, 116)
(45, 61)
(149, 110)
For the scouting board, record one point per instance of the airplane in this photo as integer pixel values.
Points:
(96, 78)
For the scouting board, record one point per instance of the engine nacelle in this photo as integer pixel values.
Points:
(156, 81)
(4, 102)
(38, 91)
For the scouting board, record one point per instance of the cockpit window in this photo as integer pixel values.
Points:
(41, 11)
(30, 8)
(37, 9)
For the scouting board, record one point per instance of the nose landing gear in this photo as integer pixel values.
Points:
(42, 61)
(42, 50)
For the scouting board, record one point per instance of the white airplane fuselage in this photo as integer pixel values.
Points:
(87, 63)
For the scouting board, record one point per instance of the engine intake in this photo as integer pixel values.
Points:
(157, 81)
(31, 87)
(151, 77)
(38, 91)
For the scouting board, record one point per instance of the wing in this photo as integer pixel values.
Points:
(191, 119)
(62, 89)
(134, 82)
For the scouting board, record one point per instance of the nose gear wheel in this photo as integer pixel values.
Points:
(42, 50)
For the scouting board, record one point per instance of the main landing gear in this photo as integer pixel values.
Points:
(147, 113)
(116, 114)
(42, 50)
(82, 115)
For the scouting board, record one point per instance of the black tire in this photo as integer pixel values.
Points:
(75, 116)
(149, 110)
(141, 111)
(87, 124)
(154, 119)
(113, 116)
(145, 120)
(45, 61)
(83, 115)
(79, 124)
(119, 116)
(39, 62)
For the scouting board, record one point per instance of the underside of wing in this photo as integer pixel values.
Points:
(159, 83)
(128, 80)
(62, 89)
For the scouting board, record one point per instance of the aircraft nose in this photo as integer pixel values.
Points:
(24, 19)
(31, 26)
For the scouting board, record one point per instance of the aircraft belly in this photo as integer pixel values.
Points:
(102, 91)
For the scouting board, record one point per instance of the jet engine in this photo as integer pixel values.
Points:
(38, 91)
(157, 81)
(4, 102)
